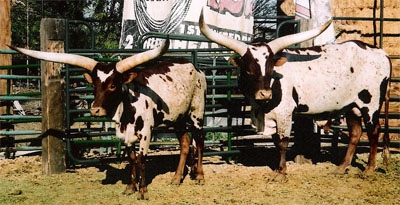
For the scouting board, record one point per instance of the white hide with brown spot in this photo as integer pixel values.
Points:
(330, 82)
(183, 93)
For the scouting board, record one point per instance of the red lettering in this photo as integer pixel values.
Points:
(234, 7)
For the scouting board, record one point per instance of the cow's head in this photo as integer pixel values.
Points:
(107, 78)
(257, 60)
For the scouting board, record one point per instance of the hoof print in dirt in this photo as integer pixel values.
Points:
(16, 192)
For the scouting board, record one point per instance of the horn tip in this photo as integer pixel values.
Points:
(327, 24)
(12, 47)
(201, 18)
(329, 21)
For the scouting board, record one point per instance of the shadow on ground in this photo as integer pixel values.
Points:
(255, 156)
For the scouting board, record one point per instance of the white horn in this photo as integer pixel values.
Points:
(143, 57)
(286, 41)
(66, 58)
(233, 44)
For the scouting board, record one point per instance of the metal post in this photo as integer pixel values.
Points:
(213, 96)
(67, 97)
(229, 117)
(381, 25)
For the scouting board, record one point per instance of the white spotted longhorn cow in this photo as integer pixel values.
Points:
(170, 93)
(323, 82)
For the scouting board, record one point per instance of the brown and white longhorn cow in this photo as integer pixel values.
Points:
(322, 81)
(170, 93)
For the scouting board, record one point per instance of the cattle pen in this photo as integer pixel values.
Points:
(238, 163)
(224, 101)
(222, 94)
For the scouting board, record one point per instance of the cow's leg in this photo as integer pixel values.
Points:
(373, 135)
(281, 144)
(131, 187)
(355, 131)
(141, 161)
(198, 166)
(184, 141)
(386, 138)
(281, 141)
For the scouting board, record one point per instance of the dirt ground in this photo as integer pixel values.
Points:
(244, 180)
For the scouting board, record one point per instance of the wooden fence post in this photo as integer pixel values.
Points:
(5, 39)
(52, 33)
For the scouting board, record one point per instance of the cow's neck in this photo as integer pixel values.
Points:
(121, 103)
(124, 111)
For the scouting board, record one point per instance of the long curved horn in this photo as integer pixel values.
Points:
(143, 57)
(233, 44)
(286, 41)
(71, 59)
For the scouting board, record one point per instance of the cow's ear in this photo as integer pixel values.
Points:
(280, 61)
(128, 77)
(88, 77)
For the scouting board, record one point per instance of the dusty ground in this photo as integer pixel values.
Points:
(245, 181)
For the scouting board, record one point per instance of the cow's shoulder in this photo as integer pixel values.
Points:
(358, 43)
(160, 67)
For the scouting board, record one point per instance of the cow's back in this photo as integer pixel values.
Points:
(336, 76)
(174, 86)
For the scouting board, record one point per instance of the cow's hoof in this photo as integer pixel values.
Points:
(200, 181)
(386, 157)
(339, 171)
(369, 172)
(130, 189)
(279, 177)
(143, 196)
(175, 181)
(128, 192)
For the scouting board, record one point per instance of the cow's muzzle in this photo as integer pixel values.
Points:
(98, 111)
(263, 95)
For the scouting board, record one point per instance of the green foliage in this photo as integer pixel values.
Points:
(216, 136)
(105, 16)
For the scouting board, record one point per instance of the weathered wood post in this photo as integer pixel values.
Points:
(5, 39)
(52, 33)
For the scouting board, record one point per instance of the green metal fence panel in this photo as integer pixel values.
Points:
(221, 79)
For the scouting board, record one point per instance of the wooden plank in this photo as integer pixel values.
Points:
(53, 98)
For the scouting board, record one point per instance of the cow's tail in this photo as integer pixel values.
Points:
(386, 137)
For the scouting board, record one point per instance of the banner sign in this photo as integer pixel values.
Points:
(233, 18)
(302, 9)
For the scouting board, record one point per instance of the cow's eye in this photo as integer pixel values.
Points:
(112, 86)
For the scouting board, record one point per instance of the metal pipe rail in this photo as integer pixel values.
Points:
(228, 82)
(12, 98)
(15, 77)
(29, 132)
(18, 66)
(9, 119)
(195, 52)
